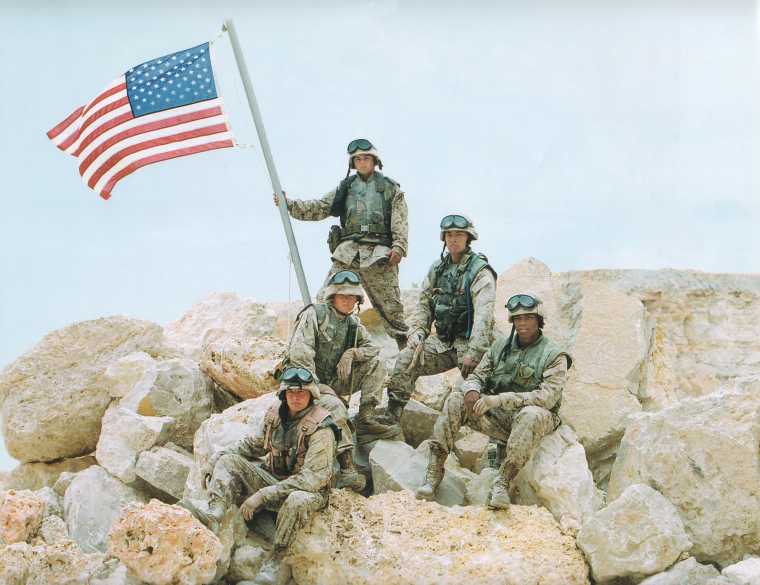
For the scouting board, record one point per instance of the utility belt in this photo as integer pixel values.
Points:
(337, 235)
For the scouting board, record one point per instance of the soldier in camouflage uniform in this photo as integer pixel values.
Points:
(330, 341)
(457, 295)
(373, 231)
(298, 439)
(513, 396)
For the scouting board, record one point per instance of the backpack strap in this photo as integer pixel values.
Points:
(271, 420)
(308, 426)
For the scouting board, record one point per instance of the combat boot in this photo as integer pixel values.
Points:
(211, 517)
(498, 499)
(392, 415)
(434, 474)
(349, 477)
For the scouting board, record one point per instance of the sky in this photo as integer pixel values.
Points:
(586, 134)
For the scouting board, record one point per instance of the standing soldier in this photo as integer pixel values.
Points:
(330, 341)
(298, 439)
(457, 295)
(513, 396)
(373, 232)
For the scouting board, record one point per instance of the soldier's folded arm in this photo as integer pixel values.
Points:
(316, 472)
(483, 291)
(311, 209)
(399, 223)
(479, 378)
(549, 391)
(250, 447)
(303, 341)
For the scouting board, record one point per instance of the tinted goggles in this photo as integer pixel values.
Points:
(525, 301)
(297, 376)
(359, 144)
(345, 276)
(454, 221)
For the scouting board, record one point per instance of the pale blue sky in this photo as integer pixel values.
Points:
(587, 134)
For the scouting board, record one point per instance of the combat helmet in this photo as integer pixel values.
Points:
(345, 282)
(362, 146)
(297, 377)
(458, 222)
(525, 304)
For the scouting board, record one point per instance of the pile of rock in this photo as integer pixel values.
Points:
(652, 478)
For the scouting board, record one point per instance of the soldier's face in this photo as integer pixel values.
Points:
(456, 242)
(344, 303)
(526, 327)
(297, 399)
(364, 163)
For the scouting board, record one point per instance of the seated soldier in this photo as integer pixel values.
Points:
(330, 341)
(513, 396)
(298, 439)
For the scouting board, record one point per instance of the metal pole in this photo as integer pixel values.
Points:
(229, 26)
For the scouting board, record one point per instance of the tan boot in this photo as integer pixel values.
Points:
(349, 477)
(434, 474)
(210, 516)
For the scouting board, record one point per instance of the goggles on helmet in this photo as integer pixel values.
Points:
(525, 301)
(345, 276)
(454, 221)
(359, 144)
(296, 376)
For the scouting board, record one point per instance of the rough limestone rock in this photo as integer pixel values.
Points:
(638, 534)
(180, 549)
(246, 562)
(432, 391)
(21, 515)
(558, 478)
(93, 501)
(59, 564)
(33, 476)
(58, 382)
(702, 455)
(133, 374)
(688, 572)
(222, 430)
(470, 447)
(479, 487)
(393, 538)
(165, 469)
(113, 572)
(126, 434)
(53, 530)
(179, 390)
(228, 313)
(52, 501)
(417, 422)
(242, 366)
(396, 466)
(746, 572)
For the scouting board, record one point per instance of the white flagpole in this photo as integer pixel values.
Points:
(229, 26)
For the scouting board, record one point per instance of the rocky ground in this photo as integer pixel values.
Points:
(653, 478)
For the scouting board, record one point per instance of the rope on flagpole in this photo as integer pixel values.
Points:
(219, 36)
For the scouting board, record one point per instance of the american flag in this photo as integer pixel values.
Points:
(161, 109)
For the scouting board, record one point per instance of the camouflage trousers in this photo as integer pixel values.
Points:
(521, 430)
(235, 478)
(436, 357)
(380, 282)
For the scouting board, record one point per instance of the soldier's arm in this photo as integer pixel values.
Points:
(366, 348)
(311, 209)
(399, 223)
(316, 472)
(250, 446)
(422, 317)
(483, 291)
(549, 391)
(303, 341)
(477, 380)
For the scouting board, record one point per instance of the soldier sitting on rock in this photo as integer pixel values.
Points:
(513, 396)
(457, 295)
(330, 341)
(298, 439)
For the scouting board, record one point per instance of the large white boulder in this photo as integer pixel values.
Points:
(688, 572)
(702, 455)
(638, 534)
(92, 502)
(746, 572)
(33, 476)
(53, 397)
(166, 469)
(393, 538)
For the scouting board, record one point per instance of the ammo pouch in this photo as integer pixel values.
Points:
(334, 237)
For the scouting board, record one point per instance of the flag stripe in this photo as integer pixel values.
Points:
(141, 129)
(106, 191)
(121, 87)
(71, 143)
(109, 124)
(145, 145)
(65, 124)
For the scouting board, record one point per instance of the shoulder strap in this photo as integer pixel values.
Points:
(271, 420)
(338, 207)
(475, 264)
(321, 311)
(351, 334)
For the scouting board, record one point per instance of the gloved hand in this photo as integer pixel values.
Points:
(468, 366)
(484, 404)
(252, 504)
(470, 398)
(415, 338)
(344, 365)
(208, 469)
(276, 199)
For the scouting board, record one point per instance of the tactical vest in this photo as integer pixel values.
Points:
(286, 450)
(452, 299)
(521, 369)
(364, 208)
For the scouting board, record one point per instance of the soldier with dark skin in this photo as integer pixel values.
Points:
(513, 396)
(298, 441)
(373, 235)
